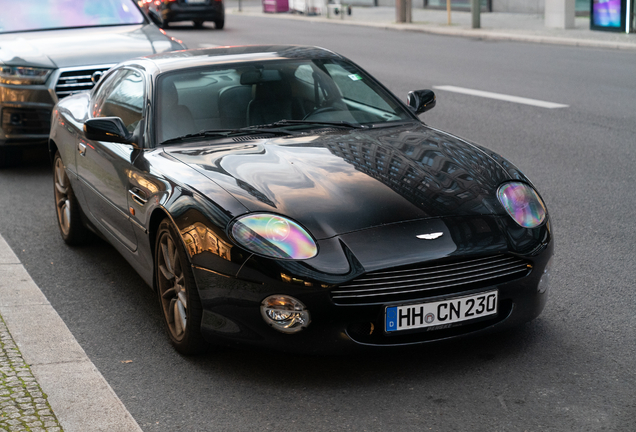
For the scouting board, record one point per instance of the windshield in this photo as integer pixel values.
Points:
(28, 15)
(253, 94)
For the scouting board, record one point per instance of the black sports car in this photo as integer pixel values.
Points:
(280, 196)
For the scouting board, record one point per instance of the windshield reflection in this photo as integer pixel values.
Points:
(28, 15)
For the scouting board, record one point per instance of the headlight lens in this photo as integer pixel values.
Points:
(23, 75)
(273, 236)
(522, 204)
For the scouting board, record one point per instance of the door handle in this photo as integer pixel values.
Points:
(81, 147)
(138, 196)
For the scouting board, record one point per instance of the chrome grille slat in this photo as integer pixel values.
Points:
(433, 279)
(74, 85)
(426, 289)
(492, 275)
(425, 274)
(490, 259)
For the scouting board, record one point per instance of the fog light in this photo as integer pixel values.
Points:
(544, 282)
(285, 313)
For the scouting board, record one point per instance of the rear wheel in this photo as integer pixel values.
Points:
(67, 209)
(178, 295)
(219, 24)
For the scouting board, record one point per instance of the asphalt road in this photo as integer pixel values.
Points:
(573, 369)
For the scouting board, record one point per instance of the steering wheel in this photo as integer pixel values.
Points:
(318, 111)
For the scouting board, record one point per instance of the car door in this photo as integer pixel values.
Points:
(103, 167)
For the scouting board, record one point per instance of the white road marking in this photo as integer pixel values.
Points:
(503, 97)
(208, 45)
(79, 396)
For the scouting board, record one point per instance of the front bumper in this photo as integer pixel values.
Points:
(25, 114)
(232, 316)
(25, 110)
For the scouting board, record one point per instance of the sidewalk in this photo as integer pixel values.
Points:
(47, 382)
(494, 25)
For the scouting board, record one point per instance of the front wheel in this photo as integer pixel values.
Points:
(67, 209)
(178, 295)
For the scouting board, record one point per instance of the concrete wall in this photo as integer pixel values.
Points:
(519, 6)
(515, 6)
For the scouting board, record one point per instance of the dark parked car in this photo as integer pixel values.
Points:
(280, 196)
(50, 49)
(163, 12)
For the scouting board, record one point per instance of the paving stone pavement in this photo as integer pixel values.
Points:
(23, 405)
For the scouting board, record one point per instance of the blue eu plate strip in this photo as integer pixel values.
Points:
(391, 319)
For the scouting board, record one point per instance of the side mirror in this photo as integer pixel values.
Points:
(109, 129)
(421, 101)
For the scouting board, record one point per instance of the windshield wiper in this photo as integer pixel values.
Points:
(340, 123)
(224, 133)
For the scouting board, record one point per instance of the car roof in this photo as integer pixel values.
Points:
(186, 59)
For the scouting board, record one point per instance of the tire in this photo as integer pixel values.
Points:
(178, 295)
(198, 23)
(10, 156)
(67, 209)
(219, 24)
(164, 24)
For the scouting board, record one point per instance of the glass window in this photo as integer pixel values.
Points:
(26, 15)
(264, 92)
(122, 97)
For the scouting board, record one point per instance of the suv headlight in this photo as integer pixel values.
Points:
(273, 236)
(522, 203)
(23, 75)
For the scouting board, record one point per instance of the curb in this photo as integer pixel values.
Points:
(78, 394)
(459, 32)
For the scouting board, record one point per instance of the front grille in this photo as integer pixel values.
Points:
(26, 121)
(77, 80)
(416, 282)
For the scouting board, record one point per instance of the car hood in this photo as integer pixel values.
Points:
(338, 182)
(83, 46)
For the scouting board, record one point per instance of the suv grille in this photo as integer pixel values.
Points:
(77, 80)
(428, 280)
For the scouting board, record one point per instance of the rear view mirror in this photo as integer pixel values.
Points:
(421, 100)
(109, 129)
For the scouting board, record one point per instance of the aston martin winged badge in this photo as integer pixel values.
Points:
(430, 236)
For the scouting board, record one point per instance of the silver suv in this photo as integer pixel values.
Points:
(50, 49)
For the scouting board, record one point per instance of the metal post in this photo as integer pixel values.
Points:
(240, 8)
(400, 11)
(475, 8)
(448, 9)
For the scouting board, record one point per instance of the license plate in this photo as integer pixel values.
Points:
(441, 313)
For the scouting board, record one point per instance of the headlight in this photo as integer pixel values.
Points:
(23, 75)
(522, 204)
(273, 236)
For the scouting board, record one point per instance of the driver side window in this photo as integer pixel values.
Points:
(123, 97)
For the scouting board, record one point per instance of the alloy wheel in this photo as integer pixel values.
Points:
(172, 287)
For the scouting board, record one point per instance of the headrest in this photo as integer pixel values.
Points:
(170, 95)
(258, 76)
